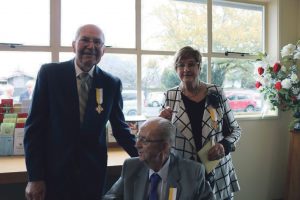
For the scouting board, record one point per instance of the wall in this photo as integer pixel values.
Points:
(289, 21)
(261, 157)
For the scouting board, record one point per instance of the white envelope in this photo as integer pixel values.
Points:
(209, 165)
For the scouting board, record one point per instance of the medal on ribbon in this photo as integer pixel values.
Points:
(99, 100)
(213, 116)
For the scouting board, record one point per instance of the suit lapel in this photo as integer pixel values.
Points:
(70, 82)
(173, 177)
(141, 184)
(207, 124)
(90, 112)
(207, 129)
(69, 90)
(98, 78)
(181, 119)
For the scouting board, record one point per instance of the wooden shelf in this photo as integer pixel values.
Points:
(293, 176)
(13, 169)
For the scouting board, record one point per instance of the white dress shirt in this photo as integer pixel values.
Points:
(163, 173)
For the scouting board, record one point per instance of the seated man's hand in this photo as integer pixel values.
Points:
(35, 190)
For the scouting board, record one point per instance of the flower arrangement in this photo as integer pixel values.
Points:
(279, 82)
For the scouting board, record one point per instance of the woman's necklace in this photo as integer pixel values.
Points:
(192, 93)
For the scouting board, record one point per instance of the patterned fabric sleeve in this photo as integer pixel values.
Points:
(229, 121)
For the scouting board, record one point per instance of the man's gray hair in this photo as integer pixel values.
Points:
(167, 130)
(77, 34)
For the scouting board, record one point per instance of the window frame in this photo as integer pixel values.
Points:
(55, 43)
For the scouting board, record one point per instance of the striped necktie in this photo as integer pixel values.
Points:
(155, 179)
(83, 93)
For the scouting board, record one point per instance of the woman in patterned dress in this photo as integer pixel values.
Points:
(202, 115)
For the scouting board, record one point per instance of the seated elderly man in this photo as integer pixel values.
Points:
(157, 174)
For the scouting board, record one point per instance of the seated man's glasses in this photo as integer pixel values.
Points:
(189, 64)
(86, 41)
(146, 141)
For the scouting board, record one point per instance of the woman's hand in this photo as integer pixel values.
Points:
(166, 113)
(216, 152)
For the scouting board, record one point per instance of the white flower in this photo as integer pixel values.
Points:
(283, 68)
(297, 56)
(288, 77)
(295, 90)
(286, 83)
(294, 78)
(266, 80)
(288, 50)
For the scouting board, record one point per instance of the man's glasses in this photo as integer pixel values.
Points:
(146, 141)
(189, 65)
(86, 41)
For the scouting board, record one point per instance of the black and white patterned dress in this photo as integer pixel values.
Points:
(223, 178)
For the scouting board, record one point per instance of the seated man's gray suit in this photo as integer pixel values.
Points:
(185, 175)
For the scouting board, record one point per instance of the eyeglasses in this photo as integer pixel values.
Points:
(189, 65)
(86, 41)
(146, 141)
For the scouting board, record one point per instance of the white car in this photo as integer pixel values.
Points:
(155, 99)
(130, 102)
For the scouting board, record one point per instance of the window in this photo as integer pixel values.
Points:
(171, 24)
(115, 17)
(22, 23)
(237, 27)
(144, 36)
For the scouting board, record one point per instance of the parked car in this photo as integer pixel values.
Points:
(242, 101)
(130, 102)
(154, 99)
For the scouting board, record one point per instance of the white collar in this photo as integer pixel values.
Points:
(79, 71)
(163, 172)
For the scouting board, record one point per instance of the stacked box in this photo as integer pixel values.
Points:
(6, 106)
(6, 145)
(19, 134)
(18, 139)
(12, 121)
(6, 138)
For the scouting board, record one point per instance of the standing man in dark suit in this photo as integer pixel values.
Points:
(65, 137)
(157, 173)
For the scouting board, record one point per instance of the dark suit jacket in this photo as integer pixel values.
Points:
(70, 157)
(185, 175)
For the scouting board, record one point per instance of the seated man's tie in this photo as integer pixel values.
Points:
(155, 178)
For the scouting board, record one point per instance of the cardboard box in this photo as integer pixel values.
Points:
(10, 115)
(6, 109)
(18, 139)
(9, 120)
(7, 129)
(7, 102)
(6, 145)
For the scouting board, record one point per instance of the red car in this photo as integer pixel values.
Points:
(241, 101)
